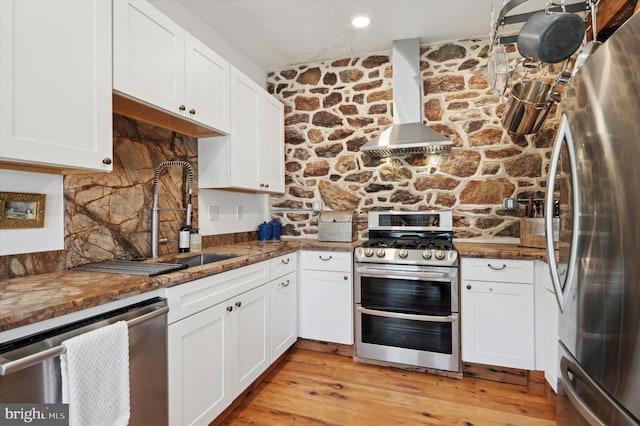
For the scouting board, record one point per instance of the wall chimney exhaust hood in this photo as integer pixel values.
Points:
(407, 135)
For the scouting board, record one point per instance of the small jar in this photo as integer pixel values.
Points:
(195, 241)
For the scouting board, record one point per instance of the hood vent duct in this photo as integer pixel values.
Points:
(407, 135)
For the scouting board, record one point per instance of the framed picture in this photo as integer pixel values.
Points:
(21, 210)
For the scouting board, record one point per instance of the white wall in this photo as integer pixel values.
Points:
(224, 212)
(31, 240)
(192, 23)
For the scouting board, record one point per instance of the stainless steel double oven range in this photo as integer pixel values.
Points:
(406, 294)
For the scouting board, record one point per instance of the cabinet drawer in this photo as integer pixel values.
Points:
(195, 296)
(283, 265)
(326, 260)
(498, 270)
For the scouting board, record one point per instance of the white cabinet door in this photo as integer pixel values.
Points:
(245, 132)
(497, 323)
(207, 86)
(551, 364)
(326, 306)
(284, 314)
(155, 61)
(272, 144)
(199, 367)
(251, 336)
(148, 59)
(55, 80)
(252, 155)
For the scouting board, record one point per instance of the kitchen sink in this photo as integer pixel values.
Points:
(203, 259)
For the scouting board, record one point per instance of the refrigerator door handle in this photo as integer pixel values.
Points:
(564, 134)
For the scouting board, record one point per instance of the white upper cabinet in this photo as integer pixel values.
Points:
(252, 156)
(55, 80)
(155, 61)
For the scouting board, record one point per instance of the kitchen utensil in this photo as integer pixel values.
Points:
(528, 106)
(498, 70)
(589, 48)
(551, 36)
(264, 231)
(275, 229)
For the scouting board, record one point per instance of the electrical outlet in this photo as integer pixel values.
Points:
(213, 213)
(509, 204)
(239, 212)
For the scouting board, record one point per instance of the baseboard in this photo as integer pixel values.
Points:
(327, 347)
(533, 380)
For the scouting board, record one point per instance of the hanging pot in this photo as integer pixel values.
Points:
(551, 37)
(528, 107)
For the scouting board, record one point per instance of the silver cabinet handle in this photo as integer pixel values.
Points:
(286, 261)
(498, 268)
(38, 357)
(346, 277)
(325, 258)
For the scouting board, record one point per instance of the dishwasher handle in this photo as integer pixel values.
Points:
(9, 367)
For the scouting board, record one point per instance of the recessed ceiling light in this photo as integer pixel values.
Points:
(360, 21)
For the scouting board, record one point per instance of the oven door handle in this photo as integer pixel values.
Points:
(413, 317)
(411, 275)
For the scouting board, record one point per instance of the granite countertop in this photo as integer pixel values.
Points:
(34, 298)
(499, 251)
(27, 300)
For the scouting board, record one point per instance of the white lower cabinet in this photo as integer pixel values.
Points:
(220, 335)
(284, 304)
(497, 312)
(325, 301)
(218, 341)
(199, 388)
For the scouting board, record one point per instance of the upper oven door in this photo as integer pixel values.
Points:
(407, 289)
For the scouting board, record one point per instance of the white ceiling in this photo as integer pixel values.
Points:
(279, 33)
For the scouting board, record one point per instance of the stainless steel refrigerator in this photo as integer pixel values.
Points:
(595, 174)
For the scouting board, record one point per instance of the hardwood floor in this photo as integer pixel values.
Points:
(312, 388)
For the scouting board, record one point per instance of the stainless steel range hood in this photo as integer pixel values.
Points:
(407, 135)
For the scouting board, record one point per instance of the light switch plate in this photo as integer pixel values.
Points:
(213, 213)
(509, 204)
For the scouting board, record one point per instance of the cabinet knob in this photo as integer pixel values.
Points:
(262, 185)
(182, 107)
(346, 277)
(285, 284)
(192, 111)
(238, 304)
(266, 185)
(106, 161)
(229, 308)
(468, 286)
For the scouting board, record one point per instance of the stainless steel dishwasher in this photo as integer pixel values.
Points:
(30, 366)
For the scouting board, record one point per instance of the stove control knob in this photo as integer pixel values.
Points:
(426, 254)
(380, 252)
(368, 252)
(440, 254)
(403, 253)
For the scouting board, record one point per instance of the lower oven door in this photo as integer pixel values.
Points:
(408, 316)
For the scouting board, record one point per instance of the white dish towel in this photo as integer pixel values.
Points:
(95, 376)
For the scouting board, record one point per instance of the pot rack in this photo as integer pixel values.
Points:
(503, 19)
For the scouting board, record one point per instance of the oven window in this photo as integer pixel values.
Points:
(419, 297)
(408, 334)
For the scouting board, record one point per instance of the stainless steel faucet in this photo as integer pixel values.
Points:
(155, 238)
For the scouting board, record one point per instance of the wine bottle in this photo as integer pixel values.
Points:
(183, 238)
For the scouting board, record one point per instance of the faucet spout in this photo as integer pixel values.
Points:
(155, 237)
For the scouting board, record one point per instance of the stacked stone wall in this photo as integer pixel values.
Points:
(334, 107)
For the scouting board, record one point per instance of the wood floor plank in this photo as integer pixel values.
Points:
(312, 388)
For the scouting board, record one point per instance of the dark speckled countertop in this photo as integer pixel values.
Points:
(34, 298)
